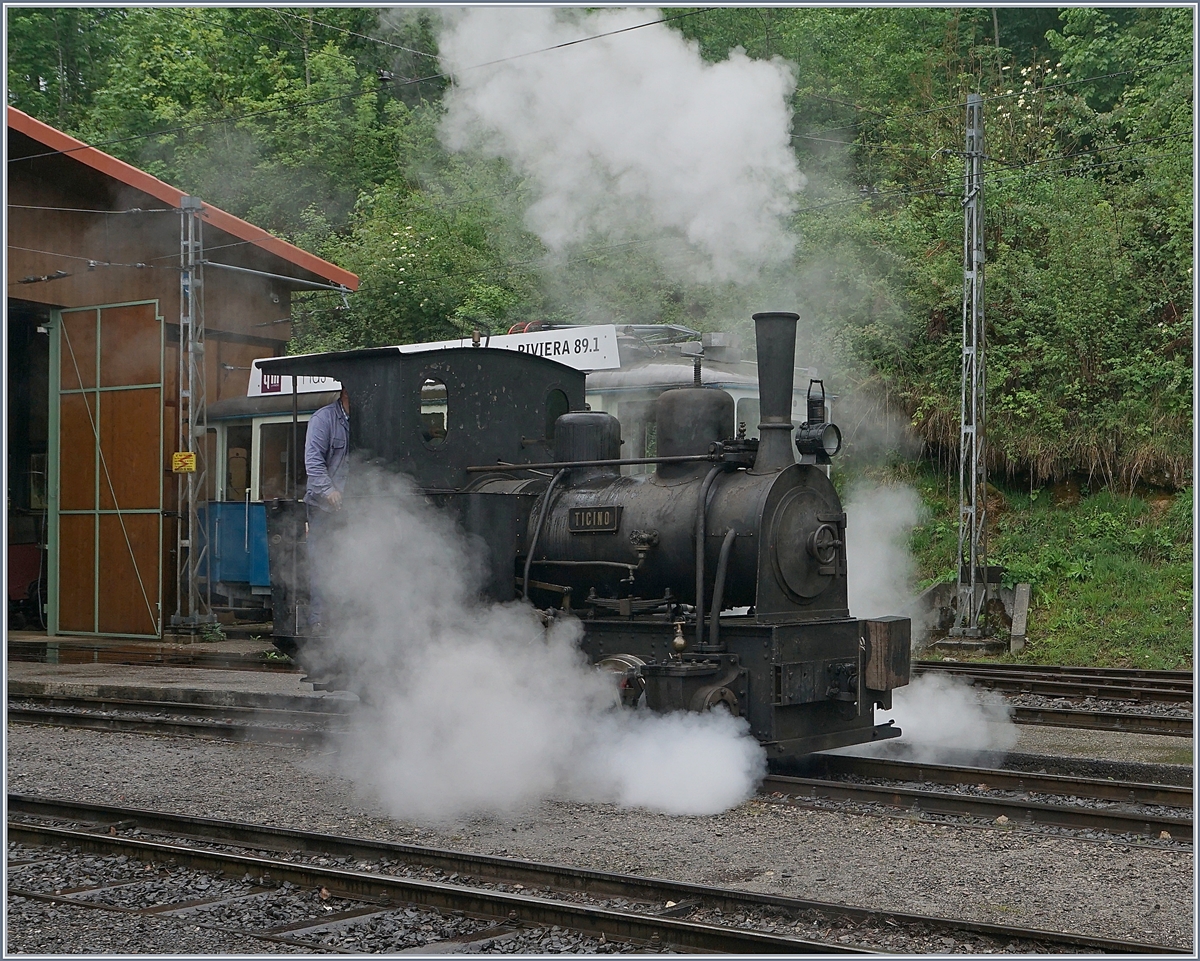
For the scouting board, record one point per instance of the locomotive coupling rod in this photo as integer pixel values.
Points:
(565, 464)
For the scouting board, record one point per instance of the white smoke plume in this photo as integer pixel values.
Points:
(880, 566)
(477, 708)
(629, 137)
(942, 717)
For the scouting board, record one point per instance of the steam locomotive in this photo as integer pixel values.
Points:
(716, 580)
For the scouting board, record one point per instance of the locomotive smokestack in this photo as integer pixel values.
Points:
(775, 333)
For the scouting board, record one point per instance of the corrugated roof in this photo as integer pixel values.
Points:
(148, 184)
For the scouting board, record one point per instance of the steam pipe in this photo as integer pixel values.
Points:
(701, 506)
(714, 622)
(775, 335)
(609, 462)
(537, 530)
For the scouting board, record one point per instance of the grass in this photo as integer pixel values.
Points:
(1111, 573)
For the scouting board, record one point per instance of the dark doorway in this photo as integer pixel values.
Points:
(28, 434)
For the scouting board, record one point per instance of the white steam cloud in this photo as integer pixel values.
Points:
(478, 708)
(943, 716)
(880, 567)
(629, 137)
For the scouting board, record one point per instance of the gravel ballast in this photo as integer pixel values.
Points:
(1116, 890)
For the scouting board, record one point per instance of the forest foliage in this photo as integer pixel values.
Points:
(321, 124)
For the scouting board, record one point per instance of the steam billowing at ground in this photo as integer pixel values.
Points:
(942, 717)
(629, 137)
(477, 708)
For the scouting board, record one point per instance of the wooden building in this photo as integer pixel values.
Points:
(93, 333)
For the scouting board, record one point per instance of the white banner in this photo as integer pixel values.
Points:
(268, 385)
(584, 348)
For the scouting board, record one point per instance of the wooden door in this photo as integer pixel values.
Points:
(107, 541)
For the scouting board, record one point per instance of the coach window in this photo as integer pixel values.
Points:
(434, 412)
(237, 461)
(556, 405)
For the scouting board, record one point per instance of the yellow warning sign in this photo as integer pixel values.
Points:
(183, 462)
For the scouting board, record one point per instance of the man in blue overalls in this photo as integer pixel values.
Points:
(326, 451)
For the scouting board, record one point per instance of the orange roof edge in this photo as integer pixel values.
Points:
(148, 184)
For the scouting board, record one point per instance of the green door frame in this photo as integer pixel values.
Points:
(53, 461)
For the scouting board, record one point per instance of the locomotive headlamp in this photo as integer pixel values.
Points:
(818, 439)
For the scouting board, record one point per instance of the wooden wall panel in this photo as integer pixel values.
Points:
(233, 383)
(129, 443)
(122, 602)
(78, 367)
(130, 346)
(76, 572)
(77, 453)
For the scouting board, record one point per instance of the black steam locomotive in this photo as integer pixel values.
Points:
(719, 579)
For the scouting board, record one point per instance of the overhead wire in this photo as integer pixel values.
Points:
(349, 223)
(90, 261)
(229, 28)
(361, 36)
(348, 96)
(92, 210)
(910, 191)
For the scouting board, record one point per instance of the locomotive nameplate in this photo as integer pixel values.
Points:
(594, 520)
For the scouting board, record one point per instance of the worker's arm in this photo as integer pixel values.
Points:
(316, 454)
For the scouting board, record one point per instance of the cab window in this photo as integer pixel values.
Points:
(434, 412)
(275, 460)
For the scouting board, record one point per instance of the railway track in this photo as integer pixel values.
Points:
(1121, 721)
(1019, 798)
(972, 793)
(1071, 682)
(475, 899)
(266, 725)
(71, 651)
(298, 724)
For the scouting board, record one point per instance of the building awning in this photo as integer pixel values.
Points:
(300, 264)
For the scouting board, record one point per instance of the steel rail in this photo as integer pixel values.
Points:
(200, 698)
(1106, 721)
(161, 911)
(485, 867)
(1049, 670)
(77, 652)
(1056, 681)
(1139, 691)
(320, 708)
(842, 765)
(176, 727)
(477, 902)
(88, 716)
(965, 805)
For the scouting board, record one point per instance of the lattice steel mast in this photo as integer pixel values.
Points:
(972, 462)
(193, 602)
